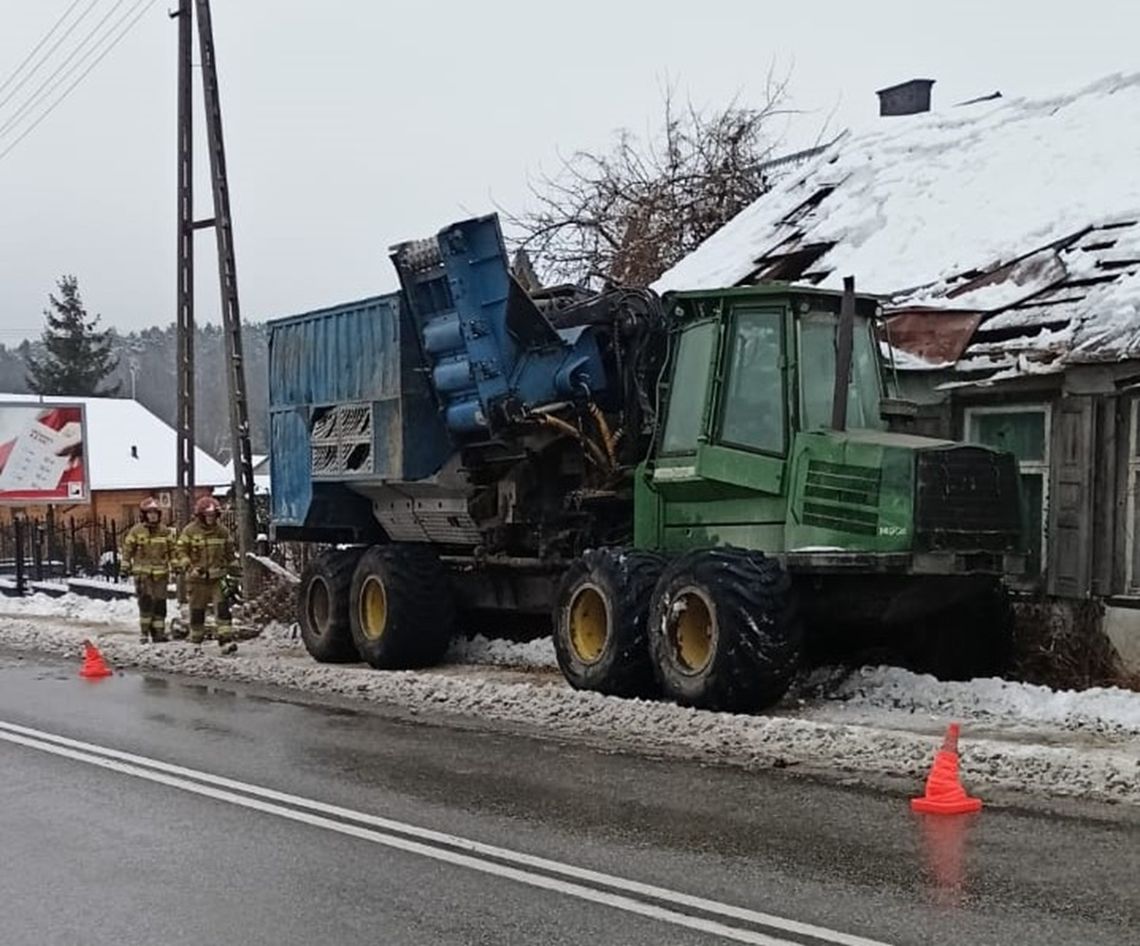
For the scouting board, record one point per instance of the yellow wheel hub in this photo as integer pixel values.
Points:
(373, 608)
(589, 624)
(692, 632)
(319, 606)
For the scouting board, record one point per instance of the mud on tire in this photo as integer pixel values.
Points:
(600, 615)
(724, 630)
(322, 606)
(403, 608)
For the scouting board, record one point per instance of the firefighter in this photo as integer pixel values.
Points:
(206, 555)
(148, 553)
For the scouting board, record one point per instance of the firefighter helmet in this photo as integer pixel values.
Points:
(150, 504)
(205, 506)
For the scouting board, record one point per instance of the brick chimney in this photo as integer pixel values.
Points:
(906, 98)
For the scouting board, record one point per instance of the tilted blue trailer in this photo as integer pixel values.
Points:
(462, 422)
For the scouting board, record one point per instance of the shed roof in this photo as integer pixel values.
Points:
(1026, 211)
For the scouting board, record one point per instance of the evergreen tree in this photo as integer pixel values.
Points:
(78, 357)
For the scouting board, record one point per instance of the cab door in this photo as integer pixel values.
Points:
(749, 431)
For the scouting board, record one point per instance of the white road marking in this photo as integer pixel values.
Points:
(471, 854)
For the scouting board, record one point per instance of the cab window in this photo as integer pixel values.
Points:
(687, 391)
(817, 374)
(754, 414)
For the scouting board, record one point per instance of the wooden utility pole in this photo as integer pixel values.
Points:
(231, 314)
(184, 371)
(222, 223)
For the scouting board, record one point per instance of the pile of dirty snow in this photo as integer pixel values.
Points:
(502, 653)
(71, 607)
(1100, 709)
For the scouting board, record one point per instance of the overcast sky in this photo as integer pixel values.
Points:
(351, 125)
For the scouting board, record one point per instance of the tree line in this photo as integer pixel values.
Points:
(75, 358)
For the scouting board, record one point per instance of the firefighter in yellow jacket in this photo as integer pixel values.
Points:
(147, 555)
(206, 555)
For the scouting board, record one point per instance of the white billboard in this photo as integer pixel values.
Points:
(43, 453)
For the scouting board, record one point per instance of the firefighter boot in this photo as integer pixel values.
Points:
(226, 642)
(158, 621)
(197, 625)
(225, 628)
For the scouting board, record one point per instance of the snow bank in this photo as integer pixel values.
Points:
(71, 607)
(660, 729)
(999, 701)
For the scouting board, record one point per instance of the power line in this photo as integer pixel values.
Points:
(19, 85)
(35, 49)
(40, 94)
(83, 75)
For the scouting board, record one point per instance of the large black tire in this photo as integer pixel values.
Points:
(724, 630)
(600, 615)
(403, 608)
(973, 638)
(322, 606)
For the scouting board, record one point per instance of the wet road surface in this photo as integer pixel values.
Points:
(151, 809)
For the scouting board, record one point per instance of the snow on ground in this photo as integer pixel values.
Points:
(503, 653)
(873, 725)
(993, 701)
(71, 607)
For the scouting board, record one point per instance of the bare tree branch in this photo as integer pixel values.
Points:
(626, 215)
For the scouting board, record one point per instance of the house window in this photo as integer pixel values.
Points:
(1024, 432)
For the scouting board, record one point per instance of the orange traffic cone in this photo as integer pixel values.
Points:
(944, 792)
(94, 667)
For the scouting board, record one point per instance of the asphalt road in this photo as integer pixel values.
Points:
(144, 809)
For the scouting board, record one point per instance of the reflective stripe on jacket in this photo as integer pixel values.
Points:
(148, 551)
(206, 547)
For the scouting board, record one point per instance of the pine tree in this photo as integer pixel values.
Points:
(78, 356)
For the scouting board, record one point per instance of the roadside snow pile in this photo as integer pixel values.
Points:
(502, 653)
(890, 688)
(71, 607)
(834, 749)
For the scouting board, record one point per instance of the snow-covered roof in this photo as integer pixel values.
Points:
(128, 447)
(1025, 210)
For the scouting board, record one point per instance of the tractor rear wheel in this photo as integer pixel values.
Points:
(724, 630)
(322, 606)
(600, 615)
(403, 609)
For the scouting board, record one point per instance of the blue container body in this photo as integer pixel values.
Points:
(364, 357)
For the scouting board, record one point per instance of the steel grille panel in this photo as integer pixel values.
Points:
(968, 498)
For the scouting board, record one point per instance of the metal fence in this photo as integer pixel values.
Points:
(55, 548)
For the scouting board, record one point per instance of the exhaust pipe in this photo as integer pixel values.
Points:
(843, 345)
